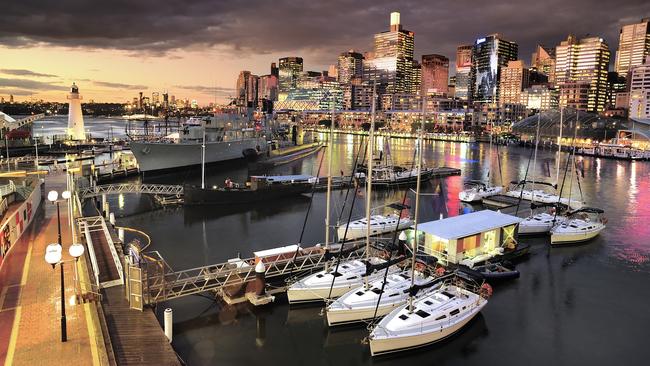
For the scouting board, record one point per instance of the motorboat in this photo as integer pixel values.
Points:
(433, 317)
(378, 298)
(477, 190)
(379, 224)
(579, 227)
(493, 272)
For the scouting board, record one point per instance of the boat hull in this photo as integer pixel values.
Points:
(306, 295)
(573, 238)
(383, 346)
(349, 316)
(197, 196)
(160, 156)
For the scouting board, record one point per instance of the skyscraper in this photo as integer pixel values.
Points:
(274, 70)
(246, 89)
(391, 65)
(581, 73)
(288, 72)
(633, 46)
(489, 55)
(435, 75)
(349, 65)
(640, 90)
(543, 60)
(267, 87)
(463, 71)
(514, 79)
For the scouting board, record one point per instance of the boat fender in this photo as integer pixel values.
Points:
(486, 291)
(440, 271)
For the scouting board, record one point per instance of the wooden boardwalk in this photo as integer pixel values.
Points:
(136, 336)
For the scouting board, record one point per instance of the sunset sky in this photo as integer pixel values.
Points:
(195, 49)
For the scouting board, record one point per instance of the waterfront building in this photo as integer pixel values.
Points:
(288, 72)
(543, 60)
(581, 73)
(639, 97)
(401, 102)
(267, 87)
(349, 65)
(514, 78)
(435, 75)
(539, 97)
(391, 62)
(633, 46)
(463, 79)
(416, 78)
(357, 95)
(489, 55)
(246, 89)
(76, 129)
(313, 93)
(498, 116)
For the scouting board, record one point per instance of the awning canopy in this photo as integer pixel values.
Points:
(466, 225)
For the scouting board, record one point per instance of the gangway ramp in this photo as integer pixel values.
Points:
(104, 255)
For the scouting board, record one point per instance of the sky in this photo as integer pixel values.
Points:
(195, 49)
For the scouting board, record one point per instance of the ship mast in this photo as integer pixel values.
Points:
(371, 144)
(203, 159)
(559, 149)
(329, 175)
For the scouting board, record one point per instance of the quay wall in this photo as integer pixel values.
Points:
(15, 222)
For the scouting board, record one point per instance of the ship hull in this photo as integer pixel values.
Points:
(197, 196)
(161, 156)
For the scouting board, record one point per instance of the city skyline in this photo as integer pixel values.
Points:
(196, 54)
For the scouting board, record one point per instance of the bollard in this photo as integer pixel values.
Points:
(111, 218)
(260, 282)
(168, 323)
(103, 201)
(107, 210)
(120, 234)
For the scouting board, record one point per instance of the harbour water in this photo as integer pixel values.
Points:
(571, 306)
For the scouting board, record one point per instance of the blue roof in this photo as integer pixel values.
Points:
(469, 224)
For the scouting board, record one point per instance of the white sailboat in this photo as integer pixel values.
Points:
(577, 229)
(380, 297)
(340, 278)
(540, 223)
(429, 319)
(477, 190)
(379, 224)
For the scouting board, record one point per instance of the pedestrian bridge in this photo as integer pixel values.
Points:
(107, 189)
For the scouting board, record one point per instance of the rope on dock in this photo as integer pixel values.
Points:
(138, 232)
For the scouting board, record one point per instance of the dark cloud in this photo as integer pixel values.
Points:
(30, 85)
(11, 91)
(318, 30)
(22, 72)
(208, 90)
(106, 84)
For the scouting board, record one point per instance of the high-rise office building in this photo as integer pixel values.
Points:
(640, 90)
(246, 89)
(349, 65)
(514, 79)
(391, 64)
(274, 70)
(155, 98)
(616, 83)
(463, 72)
(633, 46)
(489, 55)
(539, 98)
(415, 78)
(435, 75)
(267, 87)
(581, 73)
(288, 72)
(543, 60)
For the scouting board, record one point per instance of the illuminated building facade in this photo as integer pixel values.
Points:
(391, 62)
(268, 87)
(463, 79)
(616, 83)
(514, 78)
(581, 73)
(539, 97)
(543, 60)
(289, 70)
(633, 46)
(435, 75)
(349, 65)
(246, 89)
(640, 91)
(489, 55)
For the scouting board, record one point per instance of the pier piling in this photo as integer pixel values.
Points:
(169, 323)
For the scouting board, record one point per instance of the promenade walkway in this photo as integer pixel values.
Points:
(30, 332)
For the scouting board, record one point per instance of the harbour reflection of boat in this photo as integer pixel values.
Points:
(300, 315)
(197, 214)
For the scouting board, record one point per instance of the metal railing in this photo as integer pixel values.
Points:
(7, 188)
(163, 283)
(157, 189)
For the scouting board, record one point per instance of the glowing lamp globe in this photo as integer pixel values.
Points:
(52, 196)
(53, 254)
(76, 250)
(66, 195)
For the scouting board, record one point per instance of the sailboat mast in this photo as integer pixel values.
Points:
(414, 249)
(371, 145)
(203, 159)
(539, 119)
(573, 159)
(559, 149)
(329, 175)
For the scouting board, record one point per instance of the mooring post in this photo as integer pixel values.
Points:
(111, 218)
(168, 323)
(120, 234)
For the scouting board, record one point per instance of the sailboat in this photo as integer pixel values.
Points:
(579, 226)
(379, 224)
(476, 190)
(338, 279)
(427, 316)
(381, 296)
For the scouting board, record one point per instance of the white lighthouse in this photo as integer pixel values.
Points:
(75, 117)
